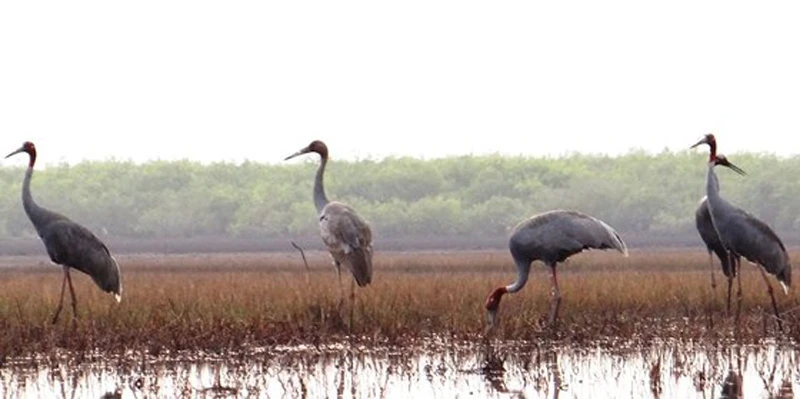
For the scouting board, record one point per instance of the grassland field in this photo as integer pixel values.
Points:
(227, 301)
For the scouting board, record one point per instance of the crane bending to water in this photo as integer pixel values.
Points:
(69, 244)
(552, 237)
(346, 234)
(742, 234)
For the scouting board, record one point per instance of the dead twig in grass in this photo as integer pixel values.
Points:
(305, 262)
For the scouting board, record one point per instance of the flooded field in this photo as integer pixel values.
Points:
(265, 325)
(432, 369)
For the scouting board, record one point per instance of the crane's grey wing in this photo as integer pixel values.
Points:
(349, 239)
(705, 227)
(73, 245)
(757, 242)
(554, 236)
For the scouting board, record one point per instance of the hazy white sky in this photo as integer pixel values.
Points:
(258, 80)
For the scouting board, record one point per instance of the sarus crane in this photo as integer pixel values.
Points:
(744, 235)
(552, 237)
(69, 244)
(346, 234)
(705, 227)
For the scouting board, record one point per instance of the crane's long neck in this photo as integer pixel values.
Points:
(712, 150)
(523, 269)
(713, 199)
(712, 185)
(33, 210)
(320, 199)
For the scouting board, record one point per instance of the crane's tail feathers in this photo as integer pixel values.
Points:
(360, 260)
(118, 293)
(616, 240)
(785, 277)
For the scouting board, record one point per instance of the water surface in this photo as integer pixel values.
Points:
(432, 369)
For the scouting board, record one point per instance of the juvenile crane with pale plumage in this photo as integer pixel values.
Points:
(346, 234)
(69, 244)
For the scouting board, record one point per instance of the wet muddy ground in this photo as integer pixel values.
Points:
(262, 325)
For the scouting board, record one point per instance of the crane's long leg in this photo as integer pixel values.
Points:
(730, 286)
(555, 297)
(338, 267)
(72, 293)
(352, 304)
(737, 264)
(61, 300)
(771, 296)
(711, 264)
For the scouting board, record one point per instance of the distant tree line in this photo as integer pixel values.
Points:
(637, 193)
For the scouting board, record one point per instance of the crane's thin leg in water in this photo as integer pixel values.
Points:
(72, 293)
(352, 305)
(736, 263)
(60, 301)
(555, 300)
(341, 289)
(730, 286)
(713, 280)
(771, 296)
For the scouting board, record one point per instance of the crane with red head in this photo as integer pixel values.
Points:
(68, 243)
(705, 228)
(742, 234)
(551, 237)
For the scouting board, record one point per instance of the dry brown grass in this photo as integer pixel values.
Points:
(223, 301)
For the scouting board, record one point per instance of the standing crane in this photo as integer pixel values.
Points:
(744, 235)
(705, 226)
(69, 244)
(347, 235)
(552, 237)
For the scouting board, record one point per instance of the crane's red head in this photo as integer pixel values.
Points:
(712, 145)
(316, 146)
(721, 159)
(492, 304)
(30, 149)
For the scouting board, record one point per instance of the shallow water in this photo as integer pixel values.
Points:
(433, 369)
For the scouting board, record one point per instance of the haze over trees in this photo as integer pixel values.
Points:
(641, 195)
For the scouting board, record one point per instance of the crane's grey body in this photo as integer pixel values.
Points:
(346, 234)
(552, 237)
(745, 235)
(349, 240)
(69, 244)
(705, 227)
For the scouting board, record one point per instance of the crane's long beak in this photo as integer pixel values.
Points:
(735, 168)
(17, 151)
(491, 319)
(704, 140)
(301, 152)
